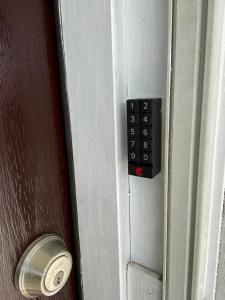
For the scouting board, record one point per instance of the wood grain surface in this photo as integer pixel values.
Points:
(34, 190)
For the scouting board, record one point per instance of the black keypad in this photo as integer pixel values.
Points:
(144, 137)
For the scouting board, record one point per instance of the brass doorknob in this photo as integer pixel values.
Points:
(44, 268)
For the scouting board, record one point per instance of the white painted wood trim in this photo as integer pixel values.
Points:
(139, 41)
(196, 159)
(118, 23)
(146, 60)
(87, 45)
(99, 67)
(167, 149)
(220, 285)
(99, 60)
(185, 99)
(142, 283)
(211, 158)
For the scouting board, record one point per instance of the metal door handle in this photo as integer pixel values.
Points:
(44, 268)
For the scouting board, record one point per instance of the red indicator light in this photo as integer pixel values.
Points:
(139, 171)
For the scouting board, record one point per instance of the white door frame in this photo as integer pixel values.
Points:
(94, 40)
(211, 167)
(94, 43)
(196, 163)
(87, 46)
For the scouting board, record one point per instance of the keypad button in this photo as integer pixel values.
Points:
(132, 106)
(140, 170)
(133, 144)
(146, 106)
(133, 131)
(146, 145)
(133, 119)
(146, 132)
(134, 156)
(146, 157)
(146, 119)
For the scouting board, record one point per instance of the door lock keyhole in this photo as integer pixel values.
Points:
(58, 278)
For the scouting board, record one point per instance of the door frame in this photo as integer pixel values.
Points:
(195, 165)
(86, 26)
(186, 178)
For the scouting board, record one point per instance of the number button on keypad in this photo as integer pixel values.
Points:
(146, 106)
(146, 119)
(146, 157)
(133, 156)
(133, 131)
(133, 119)
(132, 106)
(146, 145)
(133, 144)
(146, 132)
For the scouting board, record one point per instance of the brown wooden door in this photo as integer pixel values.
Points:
(34, 188)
